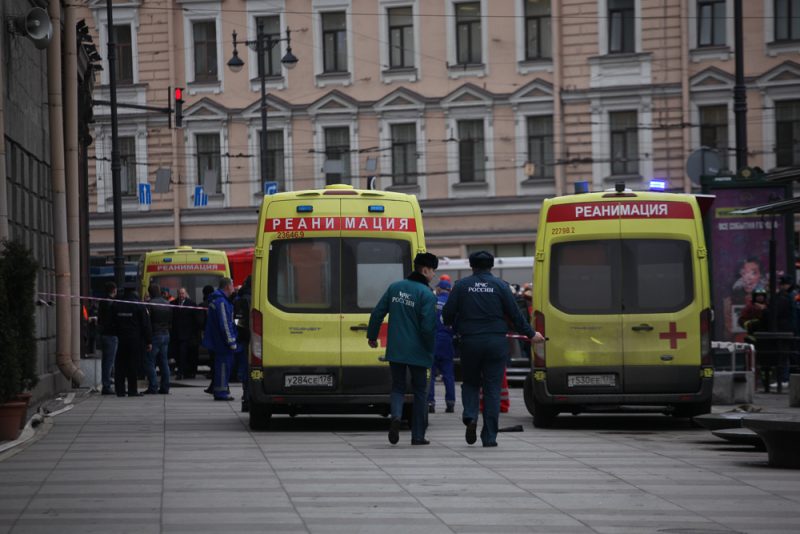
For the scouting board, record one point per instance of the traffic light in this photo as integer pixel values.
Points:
(179, 107)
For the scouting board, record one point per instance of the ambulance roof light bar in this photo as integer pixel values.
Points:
(658, 185)
(305, 209)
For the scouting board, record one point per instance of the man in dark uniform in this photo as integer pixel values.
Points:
(480, 309)
(131, 324)
(184, 332)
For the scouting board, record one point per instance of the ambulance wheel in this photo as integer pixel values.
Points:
(543, 415)
(692, 410)
(260, 416)
(527, 393)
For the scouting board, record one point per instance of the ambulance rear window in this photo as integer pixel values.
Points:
(621, 276)
(303, 275)
(368, 267)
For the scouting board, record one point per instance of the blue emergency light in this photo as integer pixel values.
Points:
(167, 260)
(658, 185)
(204, 258)
(376, 209)
(305, 209)
(581, 187)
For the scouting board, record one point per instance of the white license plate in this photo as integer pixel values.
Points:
(591, 380)
(290, 381)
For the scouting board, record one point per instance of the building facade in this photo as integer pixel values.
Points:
(445, 99)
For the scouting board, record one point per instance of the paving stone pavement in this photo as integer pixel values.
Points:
(185, 464)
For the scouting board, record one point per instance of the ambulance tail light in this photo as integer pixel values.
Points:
(538, 348)
(705, 337)
(256, 336)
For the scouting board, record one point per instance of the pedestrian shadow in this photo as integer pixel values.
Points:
(317, 423)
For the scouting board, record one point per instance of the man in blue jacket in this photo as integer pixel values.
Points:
(480, 309)
(443, 353)
(412, 323)
(220, 337)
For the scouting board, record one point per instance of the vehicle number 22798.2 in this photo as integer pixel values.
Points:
(562, 230)
(290, 235)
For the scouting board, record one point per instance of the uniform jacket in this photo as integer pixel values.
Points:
(105, 317)
(185, 323)
(483, 304)
(160, 316)
(130, 320)
(220, 334)
(412, 321)
(444, 333)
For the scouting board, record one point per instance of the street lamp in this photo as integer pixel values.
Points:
(263, 44)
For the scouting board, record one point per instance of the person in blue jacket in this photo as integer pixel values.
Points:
(220, 337)
(443, 354)
(480, 308)
(411, 306)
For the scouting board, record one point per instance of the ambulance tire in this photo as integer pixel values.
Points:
(527, 393)
(692, 410)
(260, 416)
(543, 415)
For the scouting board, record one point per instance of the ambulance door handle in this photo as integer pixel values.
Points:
(358, 327)
(642, 328)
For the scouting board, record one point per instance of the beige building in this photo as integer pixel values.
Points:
(445, 99)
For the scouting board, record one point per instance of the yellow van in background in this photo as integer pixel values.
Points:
(192, 268)
(323, 258)
(621, 289)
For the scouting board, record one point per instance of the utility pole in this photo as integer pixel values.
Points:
(739, 90)
(119, 258)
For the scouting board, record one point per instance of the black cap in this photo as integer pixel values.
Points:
(481, 260)
(426, 259)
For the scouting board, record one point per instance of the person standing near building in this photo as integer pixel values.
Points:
(132, 326)
(220, 337)
(241, 312)
(108, 339)
(443, 354)
(409, 349)
(184, 331)
(480, 308)
(161, 323)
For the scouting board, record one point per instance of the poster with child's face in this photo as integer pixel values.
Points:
(740, 253)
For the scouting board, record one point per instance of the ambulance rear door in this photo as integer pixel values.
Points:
(662, 288)
(582, 316)
(301, 326)
(379, 240)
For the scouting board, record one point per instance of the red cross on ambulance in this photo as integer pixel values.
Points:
(672, 335)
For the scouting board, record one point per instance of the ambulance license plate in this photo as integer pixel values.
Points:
(591, 380)
(291, 381)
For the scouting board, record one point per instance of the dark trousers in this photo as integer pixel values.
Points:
(184, 352)
(443, 365)
(129, 355)
(222, 371)
(419, 385)
(483, 360)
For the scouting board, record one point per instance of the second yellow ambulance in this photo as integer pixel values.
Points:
(621, 290)
(323, 258)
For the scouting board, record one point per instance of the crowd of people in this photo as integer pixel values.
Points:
(140, 338)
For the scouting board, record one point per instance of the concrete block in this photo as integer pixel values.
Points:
(723, 388)
(744, 386)
(92, 370)
(794, 390)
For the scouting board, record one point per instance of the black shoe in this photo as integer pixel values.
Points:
(422, 441)
(149, 392)
(209, 390)
(471, 435)
(120, 394)
(228, 398)
(394, 431)
(105, 391)
(161, 392)
(450, 409)
(492, 444)
(137, 394)
(431, 408)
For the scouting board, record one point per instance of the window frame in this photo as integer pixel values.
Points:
(334, 274)
(614, 133)
(465, 149)
(349, 257)
(631, 25)
(409, 178)
(712, 4)
(273, 57)
(336, 52)
(122, 51)
(405, 51)
(209, 46)
(791, 37)
(548, 160)
(705, 127)
(792, 150)
(539, 19)
(344, 155)
(474, 30)
(212, 156)
(274, 155)
(131, 188)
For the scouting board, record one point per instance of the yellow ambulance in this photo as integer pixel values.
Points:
(323, 258)
(621, 290)
(192, 268)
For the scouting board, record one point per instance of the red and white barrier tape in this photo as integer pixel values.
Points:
(103, 299)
